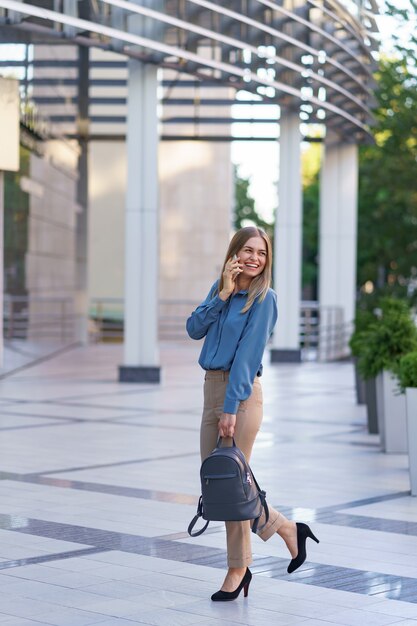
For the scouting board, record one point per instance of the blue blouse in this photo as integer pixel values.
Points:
(234, 341)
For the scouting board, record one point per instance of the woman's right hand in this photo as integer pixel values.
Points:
(227, 424)
(231, 271)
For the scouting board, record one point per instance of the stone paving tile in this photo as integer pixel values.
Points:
(163, 617)
(123, 589)
(20, 621)
(118, 621)
(115, 607)
(41, 573)
(244, 613)
(357, 617)
(25, 607)
(60, 596)
(139, 561)
(322, 622)
(209, 621)
(70, 617)
(395, 607)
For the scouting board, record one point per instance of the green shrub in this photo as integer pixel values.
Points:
(387, 339)
(394, 305)
(407, 371)
(363, 320)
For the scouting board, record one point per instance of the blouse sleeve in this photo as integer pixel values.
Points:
(249, 352)
(204, 315)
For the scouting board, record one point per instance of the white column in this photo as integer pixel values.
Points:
(288, 242)
(141, 357)
(83, 130)
(338, 226)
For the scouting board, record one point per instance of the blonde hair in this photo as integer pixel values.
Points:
(260, 284)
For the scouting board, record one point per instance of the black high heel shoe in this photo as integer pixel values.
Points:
(224, 596)
(303, 531)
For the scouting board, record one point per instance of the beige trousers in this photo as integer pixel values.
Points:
(248, 422)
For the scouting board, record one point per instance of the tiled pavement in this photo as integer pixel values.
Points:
(98, 482)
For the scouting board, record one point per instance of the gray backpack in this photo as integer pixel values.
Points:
(229, 491)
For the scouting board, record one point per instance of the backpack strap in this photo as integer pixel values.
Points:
(262, 496)
(261, 492)
(219, 441)
(195, 520)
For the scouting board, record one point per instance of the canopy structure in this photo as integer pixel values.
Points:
(310, 56)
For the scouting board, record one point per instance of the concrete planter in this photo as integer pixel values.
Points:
(379, 399)
(411, 404)
(360, 385)
(371, 407)
(391, 410)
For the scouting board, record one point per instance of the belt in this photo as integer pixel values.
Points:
(217, 374)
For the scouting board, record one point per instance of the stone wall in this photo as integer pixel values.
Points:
(51, 253)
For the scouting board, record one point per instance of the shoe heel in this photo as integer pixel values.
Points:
(246, 590)
(312, 536)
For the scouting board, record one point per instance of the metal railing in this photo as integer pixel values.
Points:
(324, 334)
(39, 318)
(106, 319)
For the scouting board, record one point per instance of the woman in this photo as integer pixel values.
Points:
(236, 319)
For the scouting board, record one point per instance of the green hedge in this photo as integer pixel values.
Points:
(407, 371)
(391, 336)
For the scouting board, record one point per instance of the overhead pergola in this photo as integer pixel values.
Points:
(305, 55)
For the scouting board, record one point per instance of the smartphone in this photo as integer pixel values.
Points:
(235, 257)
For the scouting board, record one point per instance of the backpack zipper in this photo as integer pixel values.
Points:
(208, 477)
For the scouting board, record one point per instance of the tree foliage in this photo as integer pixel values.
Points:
(245, 213)
(387, 247)
(387, 221)
(310, 178)
(387, 229)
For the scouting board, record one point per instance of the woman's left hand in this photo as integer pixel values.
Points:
(227, 424)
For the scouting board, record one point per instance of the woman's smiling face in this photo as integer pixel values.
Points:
(252, 257)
